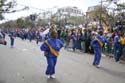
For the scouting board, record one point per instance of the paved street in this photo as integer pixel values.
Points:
(25, 63)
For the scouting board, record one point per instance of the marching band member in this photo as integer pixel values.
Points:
(97, 44)
(51, 48)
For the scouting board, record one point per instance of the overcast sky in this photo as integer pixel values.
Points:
(45, 4)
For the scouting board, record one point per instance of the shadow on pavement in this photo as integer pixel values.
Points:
(53, 81)
(114, 73)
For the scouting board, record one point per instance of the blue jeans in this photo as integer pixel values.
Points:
(67, 44)
(12, 42)
(109, 48)
(97, 56)
(51, 61)
(123, 50)
(117, 52)
(37, 41)
(74, 45)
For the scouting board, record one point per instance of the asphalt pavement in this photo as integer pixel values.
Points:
(25, 63)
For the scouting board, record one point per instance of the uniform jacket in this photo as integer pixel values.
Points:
(56, 44)
(95, 43)
(116, 41)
